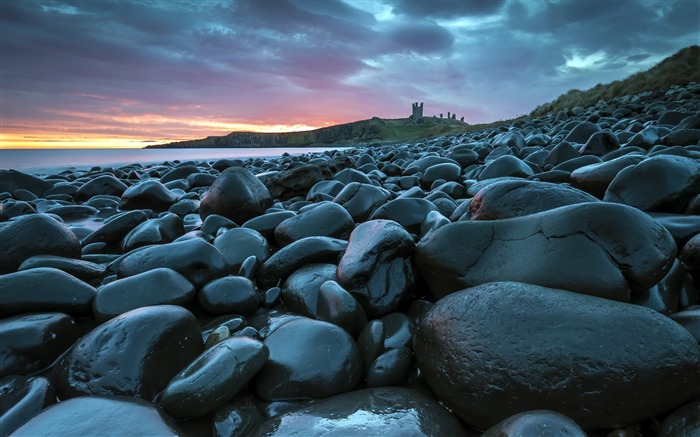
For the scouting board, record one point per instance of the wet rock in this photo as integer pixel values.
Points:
(99, 415)
(541, 423)
(361, 200)
(335, 305)
(230, 294)
(160, 286)
(513, 139)
(323, 190)
(503, 166)
(195, 259)
(266, 224)
(386, 411)
(236, 418)
(214, 377)
(22, 399)
(116, 228)
(236, 194)
(35, 234)
(297, 181)
(83, 270)
(446, 171)
(301, 289)
(662, 183)
(390, 368)
(134, 354)
(665, 296)
(149, 194)
(371, 342)
(407, 211)
(101, 185)
(595, 178)
(600, 143)
(309, 359)
(690, 256)
(326, 219)
(684, 422)
(161, 230)
(180, 172)
(560, 153)
(376, 267)
(582, 132)
(308, 250)
(13, 180)
(598, 248)
(689, 318)
(44, 289)
(237, 244)
(31, 342)
(681, 226)
(349, 175)
(498, 349)
(517, 198)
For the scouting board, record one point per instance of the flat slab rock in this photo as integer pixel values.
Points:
(498, 349)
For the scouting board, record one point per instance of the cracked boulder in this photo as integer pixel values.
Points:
(601, 249)
(376, 267)
(498, 349)
(515, 198)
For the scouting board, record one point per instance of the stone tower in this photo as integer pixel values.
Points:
(417, 113)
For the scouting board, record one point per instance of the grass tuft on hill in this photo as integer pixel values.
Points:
(678, 69)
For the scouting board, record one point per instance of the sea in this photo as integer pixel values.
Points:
(48, 161)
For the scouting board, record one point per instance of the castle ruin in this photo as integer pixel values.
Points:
(417, 113)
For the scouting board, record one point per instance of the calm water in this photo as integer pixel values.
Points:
(48, 161)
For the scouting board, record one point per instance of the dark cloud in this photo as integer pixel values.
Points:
(421, 38)
(447, 8)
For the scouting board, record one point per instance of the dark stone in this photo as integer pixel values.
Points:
(361, 200)
(385, 411)
(116, 228)
(689, 318)
(371, 342)
(184, 207)
(464, 156)
(582, 161)
(325, 219)
(682, 227)
(101, 185)
(214, 377)
(540, 423)
(646, 138)
(335, 305)
(309, 359)
(664, 183)
(237, 244)
(600, 143)
(598, 248)
(181, 172)
(161, 230)
(665, 296)
(301, 289)
(582, 132)
(513, 139)
(236, 419)
(236, 194)
(376, 267)
(595, 178)
(446, 171)
(684, 422)
(149, 194)
(323, 190)
(517, 198)
(35, 234)
(44, 289)
(159, 286)
(84, 270)
(15, 209)
(13, 180)
(406, 211)
(390, 368)
(560, 153)
(230, 294)
(134, 354)
(506, 165)
(305, 251)
(31, 342)
(349, 175)
(690, 256)
(682, 137)
(73, 212)
(213, 224)
(99, 415)
(22, 398)
(498, 349)
(266, 224)
(195, 259)
(297, 181)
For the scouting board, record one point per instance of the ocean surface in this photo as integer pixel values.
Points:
(44, 161)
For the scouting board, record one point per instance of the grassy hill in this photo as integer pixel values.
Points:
(364, 131)
(678, 69)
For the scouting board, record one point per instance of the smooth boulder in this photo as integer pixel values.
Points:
(499, 349)
(602, 249)
(236, 194)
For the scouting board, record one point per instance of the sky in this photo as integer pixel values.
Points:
(113, 73)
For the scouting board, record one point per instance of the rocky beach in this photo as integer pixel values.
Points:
(539, 278)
